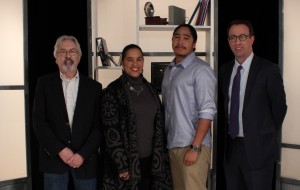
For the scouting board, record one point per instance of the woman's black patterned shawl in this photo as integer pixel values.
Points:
(120, 140)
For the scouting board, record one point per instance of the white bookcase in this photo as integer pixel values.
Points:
(123, 22)
(156, 35)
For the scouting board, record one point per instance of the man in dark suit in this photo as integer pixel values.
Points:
(255, 107)
(66, 121)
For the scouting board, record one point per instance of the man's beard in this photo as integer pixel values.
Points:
(69, 67)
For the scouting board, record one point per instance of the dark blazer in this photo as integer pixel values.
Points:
(263, 112)
(52, 129)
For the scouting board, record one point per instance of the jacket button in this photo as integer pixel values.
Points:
(69, 142)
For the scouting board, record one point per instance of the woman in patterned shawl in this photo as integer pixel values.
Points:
(135, 156)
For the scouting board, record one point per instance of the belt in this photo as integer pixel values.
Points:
(239, 139)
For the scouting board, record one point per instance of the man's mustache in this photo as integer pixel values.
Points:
(180, 46)
(68, 59)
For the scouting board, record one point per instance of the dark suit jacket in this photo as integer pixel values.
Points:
(263, 112)
(52, 129)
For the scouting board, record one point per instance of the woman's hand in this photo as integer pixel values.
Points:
(124, 176)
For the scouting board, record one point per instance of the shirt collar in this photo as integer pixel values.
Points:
(246, 64)
(63, 77)
(185, 62)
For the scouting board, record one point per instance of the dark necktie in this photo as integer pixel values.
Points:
(235, 104)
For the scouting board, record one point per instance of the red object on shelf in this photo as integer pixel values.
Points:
(155, 20)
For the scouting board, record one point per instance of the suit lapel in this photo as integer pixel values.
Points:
(59, 95)
(251, 79)
(227, 83)
(82, 90)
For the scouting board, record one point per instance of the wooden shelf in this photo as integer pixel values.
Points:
(168, 28)
(158, 53)
(108, 67)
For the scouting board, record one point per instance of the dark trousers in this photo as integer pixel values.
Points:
(146, 181)
(239, 175)
(61, 181)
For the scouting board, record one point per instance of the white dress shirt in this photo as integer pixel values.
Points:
(70, 88)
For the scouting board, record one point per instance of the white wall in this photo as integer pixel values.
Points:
(291, 74)
(115, 21)
(12, 105)
(11, 46)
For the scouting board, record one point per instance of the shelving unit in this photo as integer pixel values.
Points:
(168, 28)
(204, 32)
(155, 40)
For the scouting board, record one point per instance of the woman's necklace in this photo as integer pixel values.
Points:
(138, 92)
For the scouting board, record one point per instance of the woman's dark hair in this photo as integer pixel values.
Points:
(128, 47)
(191, 28)
(244, 22)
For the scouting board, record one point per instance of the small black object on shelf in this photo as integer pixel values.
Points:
(102, 51)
